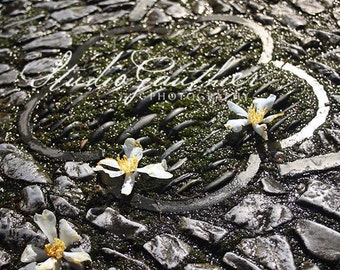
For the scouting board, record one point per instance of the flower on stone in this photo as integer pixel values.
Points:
(128, 165)
(50, 257)
(255, 115)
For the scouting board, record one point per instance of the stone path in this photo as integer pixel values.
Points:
(79, 77)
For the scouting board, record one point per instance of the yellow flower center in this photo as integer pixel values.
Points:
(56, 249)
(256, 117)
(128, 165)
(137, 144)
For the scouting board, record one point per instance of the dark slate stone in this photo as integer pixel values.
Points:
(320, 240)
(33, 199)
(57, 40)
(168, 250)
(272, 252)
(8, 77)
(66, 187)
(73, 13)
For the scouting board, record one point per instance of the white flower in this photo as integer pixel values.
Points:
(128, 165)
(254, 116)
(50, 257)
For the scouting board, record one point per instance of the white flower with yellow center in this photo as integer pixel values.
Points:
(50, 257)
(128, 165)
(254, 116)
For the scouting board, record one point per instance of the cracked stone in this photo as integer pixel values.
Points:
(259, 213)
(320, 240)
(272, 252)
(168, 250)
(203, 230)
(322, 195)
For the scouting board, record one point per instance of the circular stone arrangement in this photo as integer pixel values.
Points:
(174, 104)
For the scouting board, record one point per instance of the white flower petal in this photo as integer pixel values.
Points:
(270, 118)
(128, 184)
(67, 234)
(236, 124)
(77, 257)
(261, 130)
(49, 264)
(156, 170)
(132, 147)
(261, 103)
(111, 162)
(237, 109)
(47, 222)
(112, 174)
(33, 254)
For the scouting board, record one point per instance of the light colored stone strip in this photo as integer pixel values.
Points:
(323, 108)
(317, 163)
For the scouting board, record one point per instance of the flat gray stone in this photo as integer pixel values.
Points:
(168, 250)
(63, 207)
(203, 230)
(320, 240)
(109, 219)
(21, 166)
(40, 66)
(73, 13)
(287, 16)
(78, 170)
(8, 77)
(258, 212)
(4, 68)
(237, 262)
(322, 195)
(318, 163)
(141, 8)
(57, 40)
(272, 252)
(311, 7)
(33, 200)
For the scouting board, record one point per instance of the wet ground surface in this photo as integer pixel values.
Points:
(78, 78)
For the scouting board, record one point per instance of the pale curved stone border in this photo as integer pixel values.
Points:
(323, 108)
(264, 35)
